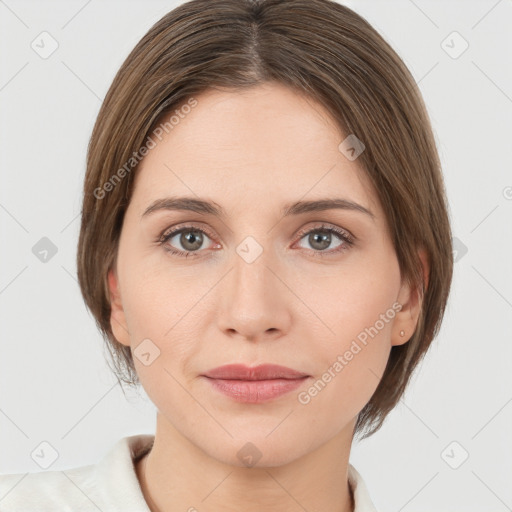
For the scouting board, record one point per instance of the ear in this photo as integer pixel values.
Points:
(411, 299)
(117, 317)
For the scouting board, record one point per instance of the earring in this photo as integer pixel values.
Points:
(402, 333)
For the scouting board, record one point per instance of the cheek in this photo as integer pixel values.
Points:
(158, 294)
(153, 305)
(350, 298)
(357, 305)
(350, 363)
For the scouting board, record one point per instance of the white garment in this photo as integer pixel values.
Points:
(111, 485)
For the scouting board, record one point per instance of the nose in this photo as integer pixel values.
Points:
(254, 303)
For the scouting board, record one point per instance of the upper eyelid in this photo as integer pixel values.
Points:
(184, 226)
(326, 225)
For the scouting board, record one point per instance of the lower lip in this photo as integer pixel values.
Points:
(255, 391)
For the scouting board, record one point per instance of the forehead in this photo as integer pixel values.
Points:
(260, 145)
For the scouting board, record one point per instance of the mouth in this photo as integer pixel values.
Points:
(254, 385)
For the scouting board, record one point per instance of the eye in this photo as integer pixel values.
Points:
(189, 240)
(321, 237)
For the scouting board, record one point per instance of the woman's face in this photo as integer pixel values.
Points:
(252, 285)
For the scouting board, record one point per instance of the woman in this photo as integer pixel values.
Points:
(265, 245)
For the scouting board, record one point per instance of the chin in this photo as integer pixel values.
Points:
(256, 449)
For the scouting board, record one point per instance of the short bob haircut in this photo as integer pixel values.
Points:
(316, 47)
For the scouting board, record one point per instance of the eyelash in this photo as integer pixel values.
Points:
(348, 239)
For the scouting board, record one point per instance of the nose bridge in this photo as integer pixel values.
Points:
(251, 297)
(251, 279)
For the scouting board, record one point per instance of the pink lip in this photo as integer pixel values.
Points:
(254, 385)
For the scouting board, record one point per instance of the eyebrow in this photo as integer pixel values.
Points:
(211, 208)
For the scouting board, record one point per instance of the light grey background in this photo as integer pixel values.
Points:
(55, 385)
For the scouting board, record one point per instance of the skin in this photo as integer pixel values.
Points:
(251, 152)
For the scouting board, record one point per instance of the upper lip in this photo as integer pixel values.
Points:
(261, 372)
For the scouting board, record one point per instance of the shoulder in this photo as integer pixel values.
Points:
(47, 490)
(111, 484)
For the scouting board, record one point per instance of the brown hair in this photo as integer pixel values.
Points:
(317, 47)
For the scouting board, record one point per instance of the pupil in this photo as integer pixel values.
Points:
(191, 240)
(323, 239)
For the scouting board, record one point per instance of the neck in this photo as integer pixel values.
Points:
(177, 475)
